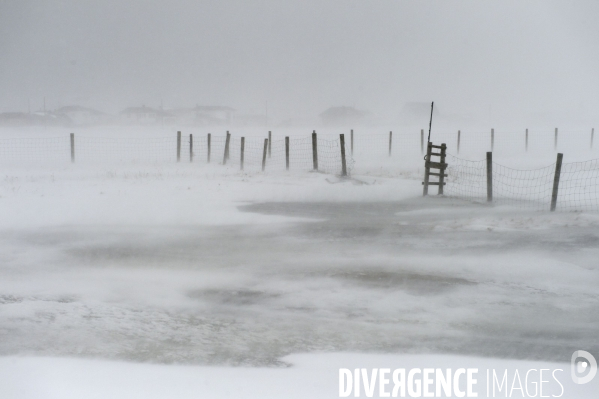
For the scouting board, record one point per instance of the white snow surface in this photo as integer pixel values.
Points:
(191, 280)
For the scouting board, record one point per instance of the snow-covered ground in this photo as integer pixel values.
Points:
(194, 280)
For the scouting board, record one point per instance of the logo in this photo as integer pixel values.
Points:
(584, 367)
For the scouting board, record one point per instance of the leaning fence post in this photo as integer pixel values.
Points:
(555, 140)
(264, 154)
(73, 147)
(209, 140)
(489, 177)
(492, 139)
(459, 134)
(390, 140)
(343, 164)
(178, 146)
(242, 152)
(314, 150)
(526, 141)
(191, 148)
(226, 154)
(352, 142)
(558, 171)
(422, 141)
(269, 143)
(287, 152)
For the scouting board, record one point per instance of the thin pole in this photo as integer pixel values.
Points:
(430, 123)
(352, 142)
(492, 139)
(526, 144)
(558, 170)
(242, 151)
(390, 140)
(73, 147)
(191, 148)
(343, 164)
(209, 140)
(459, 134)
(264, 154)
(489, 177)
(287, 152)
(592, 137)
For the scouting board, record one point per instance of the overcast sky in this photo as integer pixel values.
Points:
(486, 58)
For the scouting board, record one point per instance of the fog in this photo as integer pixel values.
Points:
(492, 62)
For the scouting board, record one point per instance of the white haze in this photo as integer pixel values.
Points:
(492, 62)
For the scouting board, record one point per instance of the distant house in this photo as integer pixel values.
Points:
(146, 116)
(39, 118)
(342, 116)
(417, 113)
(82, 115)
(199, 115)
(15, 119)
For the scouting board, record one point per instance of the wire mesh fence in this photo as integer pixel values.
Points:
(577, 189)
(186, 148)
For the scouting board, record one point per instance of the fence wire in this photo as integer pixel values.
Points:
(578, 188)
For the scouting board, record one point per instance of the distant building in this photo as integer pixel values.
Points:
(204, 115)
(417, 113)
(342, 116)
(33, 119)
(15, 119)
(146, 116)
(82, 115)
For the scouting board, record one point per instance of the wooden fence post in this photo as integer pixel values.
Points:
(287, 152)
(443, 168)
(592, 137)
(226, 154)
(191, 148)
(352, 142)
(526, 141)
(227, 145)
(459, 134)
(209, 140)
(422, 141)
(427, 169)
(555, 140)
(489, 177)
(264, 154)
(343, 164)
(492, 139)
(314, 150)
(558, 171)
(72, 147)
(178, 146)
(390, 140)
(242, 152)
(269, 143)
